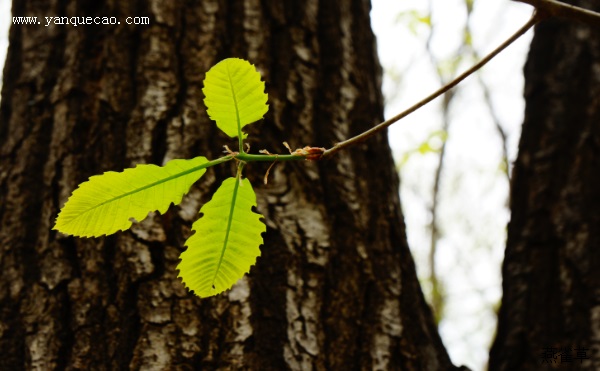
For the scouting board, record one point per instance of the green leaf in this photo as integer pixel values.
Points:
(226, 242)
(106, 203)
(235, 95)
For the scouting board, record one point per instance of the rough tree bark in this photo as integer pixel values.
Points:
(335, 287)
(551, 276)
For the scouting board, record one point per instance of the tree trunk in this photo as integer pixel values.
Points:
(335, 287)
(551, 283)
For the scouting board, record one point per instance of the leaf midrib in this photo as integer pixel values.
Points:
(237, 109)
(229, 222)
(183, 173)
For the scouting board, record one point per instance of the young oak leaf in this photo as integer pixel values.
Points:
(106, 203)
(226, 240)
(235, 95)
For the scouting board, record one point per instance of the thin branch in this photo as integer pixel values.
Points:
(487, 98)
(561, 10)
(374, 130)
(437, 293)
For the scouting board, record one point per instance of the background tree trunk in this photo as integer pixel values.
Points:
(335, 287)
(551, 276)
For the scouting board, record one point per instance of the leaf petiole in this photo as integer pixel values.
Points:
(273, 157)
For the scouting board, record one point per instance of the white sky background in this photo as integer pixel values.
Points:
(473, 213)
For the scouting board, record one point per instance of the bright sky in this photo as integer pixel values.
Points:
(473, 213)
